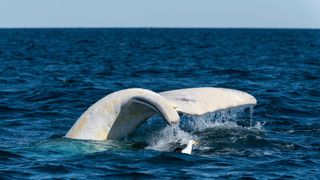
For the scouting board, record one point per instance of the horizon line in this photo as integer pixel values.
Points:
(153, 27)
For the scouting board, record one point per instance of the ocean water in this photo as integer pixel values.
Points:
(48, 77)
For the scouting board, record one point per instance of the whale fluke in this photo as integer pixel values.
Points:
(198, 101)
(118, 114)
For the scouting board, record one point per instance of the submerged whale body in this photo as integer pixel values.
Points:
(118, 114)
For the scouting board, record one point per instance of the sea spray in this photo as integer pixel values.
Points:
(237, 120)
(168, 138)
(229, 118)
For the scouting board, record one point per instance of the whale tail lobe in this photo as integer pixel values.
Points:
(118, 114)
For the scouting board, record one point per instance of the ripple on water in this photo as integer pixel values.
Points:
(48, 77)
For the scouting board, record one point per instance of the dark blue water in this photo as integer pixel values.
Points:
(48, 77)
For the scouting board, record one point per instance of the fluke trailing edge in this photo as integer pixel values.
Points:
(120, 113)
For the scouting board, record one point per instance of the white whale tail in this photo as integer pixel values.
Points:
(118, 114)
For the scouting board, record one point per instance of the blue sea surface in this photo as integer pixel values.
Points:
(49, 77)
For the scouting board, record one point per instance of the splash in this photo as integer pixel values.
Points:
(168, 138)
(214, 131)
(233, 123)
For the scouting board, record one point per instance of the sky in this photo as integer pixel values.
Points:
(161, 13)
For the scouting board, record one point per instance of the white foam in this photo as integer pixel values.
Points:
(192, 126)
(167, 137)
(257, 125)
